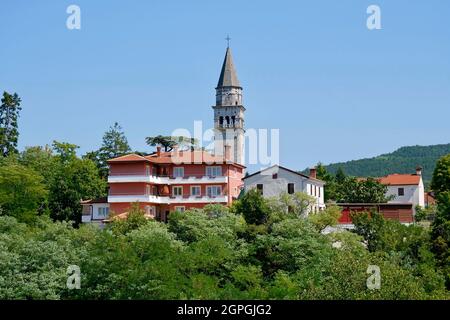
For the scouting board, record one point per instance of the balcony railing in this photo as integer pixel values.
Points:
(186, 198)
(167, 179)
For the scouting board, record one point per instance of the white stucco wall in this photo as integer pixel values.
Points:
(94, 213)
(274, 187)
(414, 194)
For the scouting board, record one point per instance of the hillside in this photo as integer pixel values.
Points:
(403, 160)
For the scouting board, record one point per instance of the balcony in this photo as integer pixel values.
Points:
(126, 198)
(189, 179)
(198, 199)
(133, 177)
(193, 179)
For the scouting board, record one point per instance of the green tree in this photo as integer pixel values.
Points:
(195, 225)
(9, 114)
(441, 176)
(326, 218)
(292, 205)
(65, 152)
(366, 190)
(135, 219)
(22, 192)
(34, 258)
(441, 225)
(292, 244)
(253, 207)
(40, 159)
(114, 144)
(169, 142)
(73, 179)
(424, 213)
(331, 187)
(340, 176)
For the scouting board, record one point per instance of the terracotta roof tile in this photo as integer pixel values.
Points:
(128, 157)
(185, 157)
(400, 179)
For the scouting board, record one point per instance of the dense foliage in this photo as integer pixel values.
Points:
(214, 253)
(257, 249)
(114, 144)
(9, 132)
(170, 142)
(347, 189)
(441, 226)
(403, 160)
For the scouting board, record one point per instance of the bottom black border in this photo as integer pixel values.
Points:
(238, 309)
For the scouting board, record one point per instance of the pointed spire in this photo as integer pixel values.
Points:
(228, 76)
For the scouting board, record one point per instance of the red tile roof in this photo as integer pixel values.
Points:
(185, 157)
(400, 179)
(128, 157)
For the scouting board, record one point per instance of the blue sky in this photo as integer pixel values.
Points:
(312, 69)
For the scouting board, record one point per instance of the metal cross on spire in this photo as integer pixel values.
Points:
(228, 40)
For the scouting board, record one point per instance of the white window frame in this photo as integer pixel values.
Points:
(210, 171)
(177, 188)
(180, 208)
(148, 190)
(199, 190)
(147, 170)
(209, 193)
(103, 211)
(178, 168)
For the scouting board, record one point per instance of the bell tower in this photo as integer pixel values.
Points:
(229, 112)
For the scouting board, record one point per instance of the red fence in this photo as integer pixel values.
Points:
(400, 212)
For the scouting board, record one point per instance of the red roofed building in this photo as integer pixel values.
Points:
(166, 181)
(407, 191)
(406, 188)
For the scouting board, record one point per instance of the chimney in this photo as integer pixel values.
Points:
(419, 170)
(313, 173)
(158, 151)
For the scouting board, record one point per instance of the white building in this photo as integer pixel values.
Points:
(95, 210)
(276, 179)
(406, 188)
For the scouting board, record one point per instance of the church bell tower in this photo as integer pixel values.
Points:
(229, 113)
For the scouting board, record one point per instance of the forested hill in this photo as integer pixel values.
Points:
(403, 160)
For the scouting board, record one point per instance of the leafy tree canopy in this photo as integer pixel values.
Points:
(9, 114)
(169, 142)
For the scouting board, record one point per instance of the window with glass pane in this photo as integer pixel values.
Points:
(213, 191)
(177, 191)
(103, 212)
(178, 172)
(180, 209)
(214, 171)
(195, 190)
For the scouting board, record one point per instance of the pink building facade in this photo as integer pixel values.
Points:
(172, 181)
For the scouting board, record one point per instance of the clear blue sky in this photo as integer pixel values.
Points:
(336, 90)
